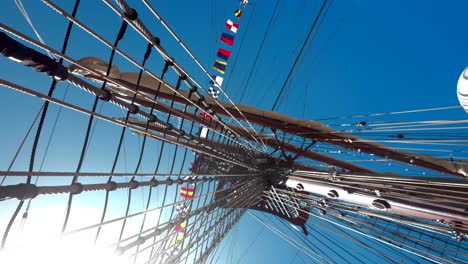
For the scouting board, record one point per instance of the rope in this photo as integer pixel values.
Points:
(22, 143)
(25, 14)
(83, 85)
(148, 5)
(312, 27)
(379, 235)
(119, 37)
(260, 49)
(141, 28)
(217, 154)
(393, 113)
(39, 128)
(314, 256)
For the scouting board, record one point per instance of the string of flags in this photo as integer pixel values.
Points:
(223, 54)
(187, 193)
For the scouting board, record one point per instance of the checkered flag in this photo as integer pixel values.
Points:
(182, 209)
(214, 93)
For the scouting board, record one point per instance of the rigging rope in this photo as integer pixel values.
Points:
(25, 14)
(22, 144)
(141, 28)
(39, 128)
(313, 255)
(148, 5)
(312, 28)
(393, 113)
(208, 235)
(127, 57)
(260, 49)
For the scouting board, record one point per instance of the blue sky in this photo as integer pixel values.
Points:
(367, 57)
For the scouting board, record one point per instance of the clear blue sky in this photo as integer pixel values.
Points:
(368, 56)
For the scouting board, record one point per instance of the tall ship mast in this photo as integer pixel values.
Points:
(121, 145)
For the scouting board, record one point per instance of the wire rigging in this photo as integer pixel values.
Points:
(228, 175)
(299, 54)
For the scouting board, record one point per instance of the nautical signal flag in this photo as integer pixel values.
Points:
(224, 54)
(205, 115)
(181, 227)
(214, 93)
(204, 132)
(177, 237)
(218, 81)
(181, 208)
(238, 13)
(220, 66)
(232, 26)
(187, 192)
(227, 38)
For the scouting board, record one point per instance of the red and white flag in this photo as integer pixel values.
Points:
(232, 26)
(205, 115)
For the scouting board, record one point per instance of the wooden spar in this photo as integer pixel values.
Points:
(270, 141)
(221, 145)
(304, 128)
